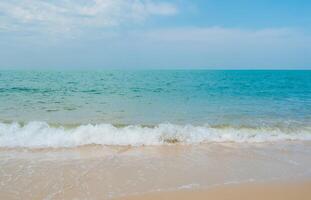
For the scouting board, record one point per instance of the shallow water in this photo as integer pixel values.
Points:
(70, 108)
(191, 106)
(102, 172)
(104, 134)
(153, 97)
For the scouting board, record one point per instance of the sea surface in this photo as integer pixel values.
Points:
(109, 134)
(41, 109)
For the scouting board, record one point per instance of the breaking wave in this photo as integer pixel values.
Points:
(43, 135)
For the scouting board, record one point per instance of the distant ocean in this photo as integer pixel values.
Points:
(41, 109)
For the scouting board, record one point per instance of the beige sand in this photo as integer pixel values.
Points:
(102, 172)
(293, 191)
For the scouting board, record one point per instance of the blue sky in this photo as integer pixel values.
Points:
(83, 34)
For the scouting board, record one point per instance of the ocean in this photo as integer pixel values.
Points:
(112, 134)
(41, 109)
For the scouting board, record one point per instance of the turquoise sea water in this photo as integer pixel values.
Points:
(278, 102)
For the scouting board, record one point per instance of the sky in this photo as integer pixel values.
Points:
(155, 34)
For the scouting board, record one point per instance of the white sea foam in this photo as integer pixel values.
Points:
(42, 135)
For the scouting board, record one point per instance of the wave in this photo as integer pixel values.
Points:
(43, 135)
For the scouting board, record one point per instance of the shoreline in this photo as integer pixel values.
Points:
(102, 172)
(254, 191)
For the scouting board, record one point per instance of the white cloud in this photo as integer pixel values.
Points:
(223, 47)
(218, 34)
(186, 47)
(66, 15)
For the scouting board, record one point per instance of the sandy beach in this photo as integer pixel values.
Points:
(275, 191)
(157, 172)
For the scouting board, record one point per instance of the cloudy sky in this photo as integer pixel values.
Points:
(160, 34)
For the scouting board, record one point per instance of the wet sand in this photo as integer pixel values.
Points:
(280, 191)
(103, 172)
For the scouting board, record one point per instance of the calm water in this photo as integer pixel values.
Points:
(251, 99)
